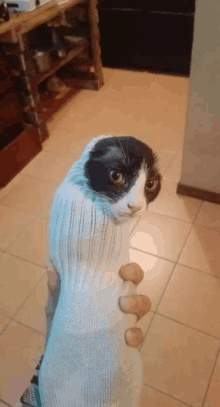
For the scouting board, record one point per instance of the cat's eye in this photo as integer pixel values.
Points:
(116, 177)
(151, 184)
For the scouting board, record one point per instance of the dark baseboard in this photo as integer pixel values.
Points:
(198, 193)
(18, 153)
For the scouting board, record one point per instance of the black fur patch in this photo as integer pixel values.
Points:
(34, 380)
(125, 155)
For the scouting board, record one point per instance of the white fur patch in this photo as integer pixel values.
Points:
(135, 198)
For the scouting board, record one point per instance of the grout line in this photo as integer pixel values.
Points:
(6, 326)
(140, 347)
(151, 254)
(27, 261)
(36, 285)
(200, 271)
(176, 263)
(16, 312)
(187, 237)
(204, 226)
(172, 217)
(166, 394)
(5, 402)
(201, 203)
(154, 312)
(164, 316)
(168, 281)
(188, 326)
(211, 375)
(166, 216)
(217, 228)
(193, 224)
(20, 233)
(29, 327)
(136, 223)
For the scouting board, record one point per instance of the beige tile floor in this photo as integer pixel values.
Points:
(176, 242)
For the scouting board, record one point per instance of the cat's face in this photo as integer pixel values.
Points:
(123, 172)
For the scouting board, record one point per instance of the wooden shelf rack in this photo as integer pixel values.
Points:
(14, 38)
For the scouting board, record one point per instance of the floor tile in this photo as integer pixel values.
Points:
(62, 143)
(209, 215)
(63, 123)
(29, 195)
(132, 224)
(32, 313)
(21, 349)
(166, 94)
(17, 179)
(173, 172)
(18, 278)
(166, 138)
(164, 160)
(148, 106)
(44, 210)
(177, 206)
(156, 274)
(32, 244)
(160, 235)
(158, 137)
(117, 117)
(58, 144)
(201, 250)
(153, 398)
(48, 166)
(3, 322)
(193, 298)
(11, 225)
(178, 360)
(144, 323)
(213, 396)
(115, 122)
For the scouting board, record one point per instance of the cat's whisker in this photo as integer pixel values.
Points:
(128, 154)
(122, 150)
(103, 196)
(120, 153)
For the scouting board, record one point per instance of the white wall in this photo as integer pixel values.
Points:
(201, 157)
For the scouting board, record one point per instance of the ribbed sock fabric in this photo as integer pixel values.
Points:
(87, 362)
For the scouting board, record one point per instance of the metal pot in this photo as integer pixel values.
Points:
(4, 12)
(42, 60)
(61, 53)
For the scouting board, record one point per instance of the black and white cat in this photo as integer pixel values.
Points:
(124, 170)
(87, 362)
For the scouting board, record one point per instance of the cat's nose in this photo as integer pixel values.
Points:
(135, 208)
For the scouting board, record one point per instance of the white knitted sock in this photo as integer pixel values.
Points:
(87, 362)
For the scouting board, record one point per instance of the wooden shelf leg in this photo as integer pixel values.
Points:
(26, 58)
(95, 42)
